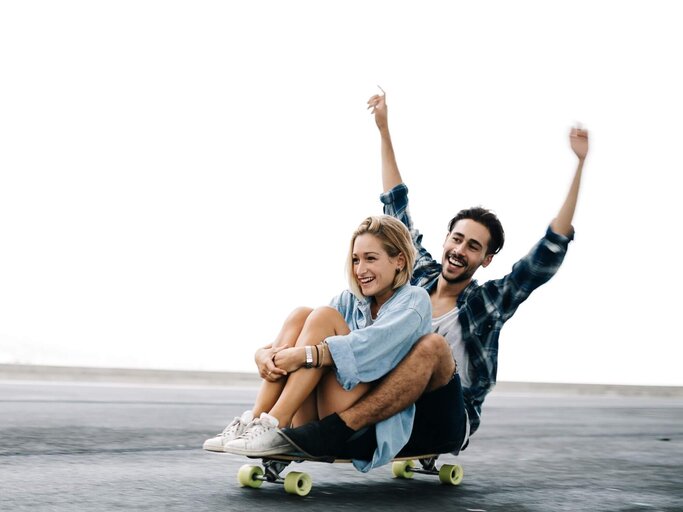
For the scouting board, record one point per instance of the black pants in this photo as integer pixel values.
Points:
(439, 426)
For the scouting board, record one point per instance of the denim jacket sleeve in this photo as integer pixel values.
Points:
(368, 353)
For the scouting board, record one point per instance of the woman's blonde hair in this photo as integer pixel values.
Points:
(395, 239)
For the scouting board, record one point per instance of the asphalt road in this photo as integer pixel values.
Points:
(67, 446)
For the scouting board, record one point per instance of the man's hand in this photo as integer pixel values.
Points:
(265, 362)
(578, 139)
(378, 104)
(562, 224)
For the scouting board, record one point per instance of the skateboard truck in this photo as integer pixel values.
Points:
(295, 482)
(448, 473)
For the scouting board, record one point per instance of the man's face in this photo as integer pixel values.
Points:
(464, 251)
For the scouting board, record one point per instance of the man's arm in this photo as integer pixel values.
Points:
(395, 196)
(562, 224)
(545, 258)
(390, 173)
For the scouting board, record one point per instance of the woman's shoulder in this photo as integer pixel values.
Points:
(413, 290)
(345, 299)
(413, 294)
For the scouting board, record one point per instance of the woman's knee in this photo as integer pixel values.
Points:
(320, 323)
(292, 326)
(325, 312)
(299, 315)
(327, 316)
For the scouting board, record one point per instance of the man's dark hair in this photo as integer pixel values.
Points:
(486, 218)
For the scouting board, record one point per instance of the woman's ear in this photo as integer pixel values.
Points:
(400, 262)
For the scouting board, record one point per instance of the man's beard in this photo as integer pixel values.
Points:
(467, 272)
(459, 279)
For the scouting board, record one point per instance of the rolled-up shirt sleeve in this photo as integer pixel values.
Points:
(366, 354)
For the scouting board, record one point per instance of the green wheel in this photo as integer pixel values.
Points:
(451, 474)
(401, 469)
(247, 476)
(298, 483)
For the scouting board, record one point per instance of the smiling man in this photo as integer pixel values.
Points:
(467, 318)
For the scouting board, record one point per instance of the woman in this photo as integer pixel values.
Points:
(363, 334)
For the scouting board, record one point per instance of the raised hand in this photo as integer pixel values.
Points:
(378, 104)
(562, 224)
(578, 138)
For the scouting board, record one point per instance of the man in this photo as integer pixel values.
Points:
(467, 320)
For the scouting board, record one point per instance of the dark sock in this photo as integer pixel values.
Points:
(324, 438)
(335, 427)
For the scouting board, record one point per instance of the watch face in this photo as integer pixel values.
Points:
(309, 356)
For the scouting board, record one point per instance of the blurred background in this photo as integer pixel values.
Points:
(175, 177)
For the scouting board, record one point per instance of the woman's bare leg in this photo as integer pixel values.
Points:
(307, 412)
(320, 324)
(334, 398)
(288, 335)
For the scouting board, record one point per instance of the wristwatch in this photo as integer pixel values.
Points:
(309, 357)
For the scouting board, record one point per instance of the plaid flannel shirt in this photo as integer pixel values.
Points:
(483, 309)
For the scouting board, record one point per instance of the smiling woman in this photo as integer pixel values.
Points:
(362, 335)
(381, 259)
(147, 147)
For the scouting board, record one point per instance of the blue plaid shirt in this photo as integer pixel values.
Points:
(483, 308)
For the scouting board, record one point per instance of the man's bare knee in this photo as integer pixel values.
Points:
(431, 356)
(433, 346)
(428, 366)
(436, 349)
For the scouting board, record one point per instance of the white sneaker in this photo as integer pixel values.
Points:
(232, 431)
(260, 438)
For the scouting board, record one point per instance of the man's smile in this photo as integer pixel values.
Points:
(455, 261)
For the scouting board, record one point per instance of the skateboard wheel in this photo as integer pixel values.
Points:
(402, 469)
(451, 474)
(298, 483)
(247, 476)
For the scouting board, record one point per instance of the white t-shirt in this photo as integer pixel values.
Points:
(447, 325)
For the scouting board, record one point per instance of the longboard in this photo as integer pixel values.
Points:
(300, 483)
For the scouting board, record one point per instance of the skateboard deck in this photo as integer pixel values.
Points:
(300, 483)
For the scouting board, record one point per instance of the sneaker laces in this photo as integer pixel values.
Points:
(232, 428)
(255, 429)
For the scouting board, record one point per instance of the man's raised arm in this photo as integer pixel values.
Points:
(390, 174)
(562, 224)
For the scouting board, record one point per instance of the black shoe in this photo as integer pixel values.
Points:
(322, 439)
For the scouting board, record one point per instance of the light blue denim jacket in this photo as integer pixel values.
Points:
(373, 348)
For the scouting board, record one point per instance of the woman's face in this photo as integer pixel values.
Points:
(374, 269)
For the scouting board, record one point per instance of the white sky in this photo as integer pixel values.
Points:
(176, 176)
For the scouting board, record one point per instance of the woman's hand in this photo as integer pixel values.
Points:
(290, 359)
(267, 368)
